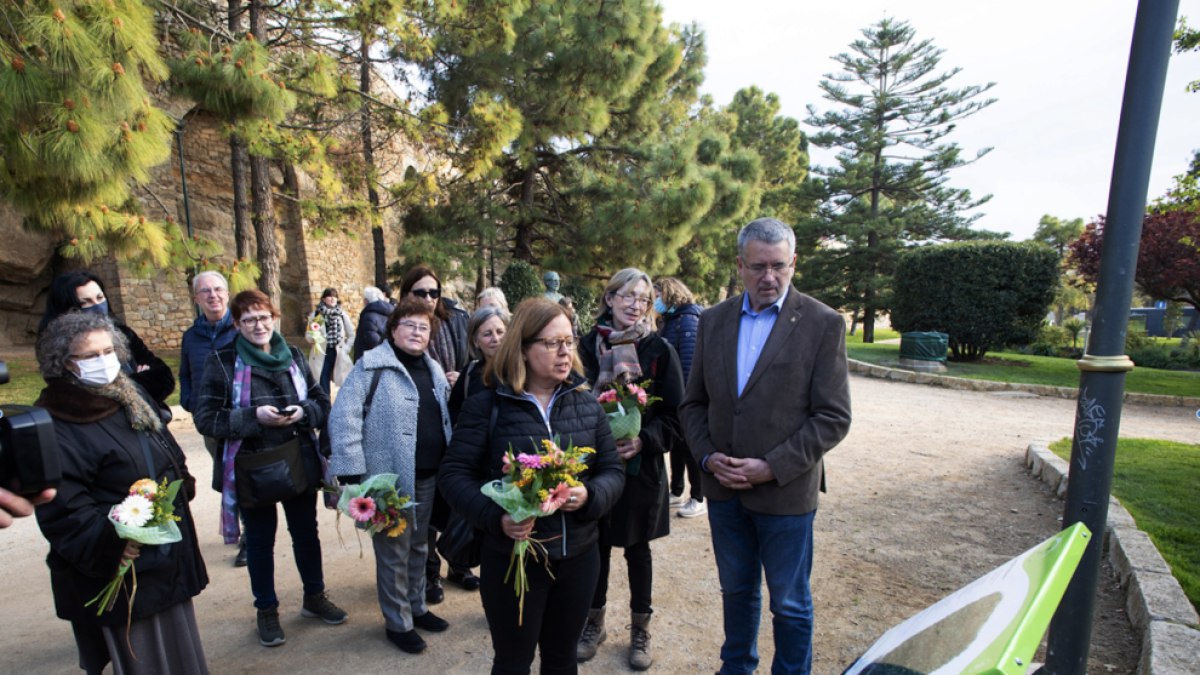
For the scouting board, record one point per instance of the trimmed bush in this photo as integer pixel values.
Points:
(520, 281)
(585, 302)
(983, 294)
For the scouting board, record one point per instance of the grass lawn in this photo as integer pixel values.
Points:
(881, 334)
(25, 383)
(1156, 482)
(1018, 367)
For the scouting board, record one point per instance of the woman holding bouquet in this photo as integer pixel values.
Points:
(391, 417)
(537, 393)
(622, 350)
(111, 434)
(258, 396)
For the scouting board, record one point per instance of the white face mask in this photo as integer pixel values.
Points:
(99, 371)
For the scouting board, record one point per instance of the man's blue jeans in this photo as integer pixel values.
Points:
(747, 543)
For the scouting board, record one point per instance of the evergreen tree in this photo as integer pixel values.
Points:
(576, 151)
(1058, 235)
(79, 126)
(888, 189)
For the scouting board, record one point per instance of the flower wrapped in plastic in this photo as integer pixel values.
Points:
(535, 485)
(147, 516)
(375, 505)
(624, 405)
(315, 332)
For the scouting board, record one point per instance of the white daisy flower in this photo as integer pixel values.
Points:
(135, 511)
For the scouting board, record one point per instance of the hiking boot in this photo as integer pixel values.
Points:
(593, 634)
(640, 656)
(408, 641)
(270, 634)
(433, 590)
(319, 607)
(430, 622)
(678, 501)
(692, 509)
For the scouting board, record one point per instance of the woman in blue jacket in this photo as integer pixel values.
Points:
(680, 320)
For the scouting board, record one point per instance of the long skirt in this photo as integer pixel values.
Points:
(167, 642)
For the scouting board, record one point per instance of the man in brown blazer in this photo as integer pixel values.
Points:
(768, 396)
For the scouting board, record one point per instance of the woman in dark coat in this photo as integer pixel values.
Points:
(680, 324)
(111, 434)
(537, 394)
(621, 349)
(284, 404)
(83, 291)
(372, 322)
(486, 331)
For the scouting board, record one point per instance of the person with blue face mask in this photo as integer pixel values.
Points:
(83, 291)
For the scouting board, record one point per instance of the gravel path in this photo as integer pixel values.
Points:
(926, 494)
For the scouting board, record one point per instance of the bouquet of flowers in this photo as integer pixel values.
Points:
(315, 332)
(624, 404)
(535, 485)
(147, 516)
(375, 505)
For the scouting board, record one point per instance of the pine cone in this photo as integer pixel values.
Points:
(118, 69)
(72, 126)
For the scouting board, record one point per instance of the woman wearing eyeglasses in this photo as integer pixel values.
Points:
(391, 417)
(258, 396)
(623, 349)
(449, 348)
(536, 392)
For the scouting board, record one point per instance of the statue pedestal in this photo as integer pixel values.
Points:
(922, 366)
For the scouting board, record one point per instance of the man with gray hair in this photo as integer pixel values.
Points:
(212, 330)
(768, 396)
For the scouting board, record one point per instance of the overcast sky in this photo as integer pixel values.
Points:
(1059, 68)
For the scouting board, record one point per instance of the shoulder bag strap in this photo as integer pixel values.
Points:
(146, 453)
(375, 376)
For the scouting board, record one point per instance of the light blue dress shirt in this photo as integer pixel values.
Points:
(753, 331)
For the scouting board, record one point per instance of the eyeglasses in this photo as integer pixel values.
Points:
(253, 321)
(432, 294)
(553, 344)
(212, 291)
(759, 268)
(92, 355)
(417, 328)
(631, 299)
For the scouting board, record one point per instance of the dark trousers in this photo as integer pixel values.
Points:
(433, 562)
(301, 514)
(555, 611)
(681, 460)
(641, 577)
(327, 367)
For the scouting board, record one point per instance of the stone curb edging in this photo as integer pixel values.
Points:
(885, 373)
(1154, 601)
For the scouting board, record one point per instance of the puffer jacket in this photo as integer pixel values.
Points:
(202, 339)
(680, 325)
(101, 457)
(475, 457)
(372, 327)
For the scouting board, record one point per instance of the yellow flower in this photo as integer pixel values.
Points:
(145, 487)
(398, 529)
(543, 495)
(570, 480)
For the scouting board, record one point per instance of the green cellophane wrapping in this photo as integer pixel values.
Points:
(167, 533)
(626, 425)
(383, 481)
(510, 499)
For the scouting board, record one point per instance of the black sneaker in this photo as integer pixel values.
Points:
(430, 622)
(319, 607)
(408, 641)
(466, 579)
(270, 634)
(433, 590)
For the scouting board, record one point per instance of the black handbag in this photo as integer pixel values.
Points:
(271, 476)
(461, 543)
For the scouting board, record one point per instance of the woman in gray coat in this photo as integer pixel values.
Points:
(390, 417)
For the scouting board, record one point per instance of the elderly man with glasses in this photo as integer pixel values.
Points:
(768, 396)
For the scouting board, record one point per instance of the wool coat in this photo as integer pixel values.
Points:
(643, 511)
(217, 417)
(794, 408)
(386, 440)
(476, 453)
(102, 457)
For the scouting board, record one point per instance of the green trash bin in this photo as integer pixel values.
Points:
(924, 346)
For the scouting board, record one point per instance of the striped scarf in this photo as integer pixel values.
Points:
(619, 364)
(333, 323)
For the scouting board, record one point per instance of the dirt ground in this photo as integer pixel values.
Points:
(926, 494)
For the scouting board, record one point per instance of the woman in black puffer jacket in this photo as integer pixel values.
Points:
(538, 394)
(372, 322)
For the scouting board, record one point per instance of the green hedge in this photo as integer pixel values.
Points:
(983, 294)
(519, 282)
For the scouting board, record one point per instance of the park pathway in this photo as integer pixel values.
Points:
(927, 493)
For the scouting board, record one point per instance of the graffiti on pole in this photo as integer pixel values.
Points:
(1089, 420)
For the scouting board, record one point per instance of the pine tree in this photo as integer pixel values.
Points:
(888, 189)
(79, 126)
(576, 151)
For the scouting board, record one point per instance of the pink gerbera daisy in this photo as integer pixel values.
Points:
(558, 496)
(608, 396)
(530, 461)
(362, 508)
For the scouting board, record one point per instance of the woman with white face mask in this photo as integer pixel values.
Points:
(111, 433)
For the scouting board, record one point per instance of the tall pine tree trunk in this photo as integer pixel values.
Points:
(523, 246)
(868, 322)
(238, 163)
(262, 202)
(364, 85)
